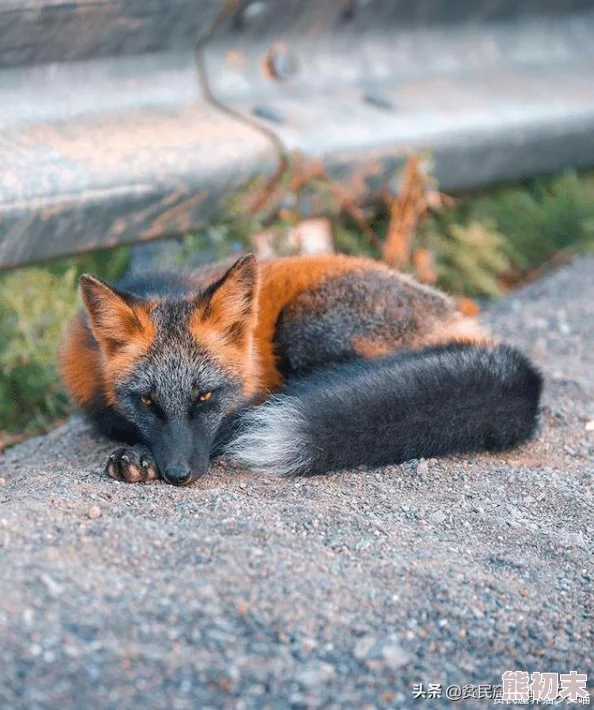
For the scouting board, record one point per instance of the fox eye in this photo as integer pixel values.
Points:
(147, 400)
(202, 396)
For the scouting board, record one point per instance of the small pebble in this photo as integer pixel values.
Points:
(95, 512)
(316, 674)
(422, 468)
(395, 656)
(363, 647)
(308, 644)
(53, 587)
(2, 481)
(437, 517)
(590, 426)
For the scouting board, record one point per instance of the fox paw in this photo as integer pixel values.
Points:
(132, 465)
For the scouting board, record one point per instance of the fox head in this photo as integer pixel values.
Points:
(174, 368)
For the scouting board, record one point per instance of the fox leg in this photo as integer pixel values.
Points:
(133, 465)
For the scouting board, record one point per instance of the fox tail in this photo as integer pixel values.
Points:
(441, 400)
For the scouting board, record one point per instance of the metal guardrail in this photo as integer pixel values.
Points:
(109, 134)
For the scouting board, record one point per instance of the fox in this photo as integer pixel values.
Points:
(295, 365)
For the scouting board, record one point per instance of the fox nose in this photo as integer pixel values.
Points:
(177, 475)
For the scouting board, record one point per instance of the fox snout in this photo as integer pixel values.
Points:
(182, 473)
(181, 453)
(178, 475)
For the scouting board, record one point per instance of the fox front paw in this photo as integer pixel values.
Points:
(132, 466)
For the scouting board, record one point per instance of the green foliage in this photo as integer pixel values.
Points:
(349, 240)
(35, 305)
(540, 218)
(469, 257)
(217, 243)
(510, 230)
(496, 236)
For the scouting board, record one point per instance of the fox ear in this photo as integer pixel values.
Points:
(231, 299)
(112, 317)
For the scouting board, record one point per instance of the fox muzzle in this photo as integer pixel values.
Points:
(182, 453)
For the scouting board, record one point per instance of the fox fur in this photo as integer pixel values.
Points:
(296, 365)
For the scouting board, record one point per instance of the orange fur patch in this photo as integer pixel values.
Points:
(371, 348)
(224, 323)
(87, 371)
(459, 329)
(282, 280)
(117, 321)
(80, 365)
(125, 357)
(122, 327)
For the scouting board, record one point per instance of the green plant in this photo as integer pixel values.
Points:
(35, 305)
(470, 258)
(541, 217)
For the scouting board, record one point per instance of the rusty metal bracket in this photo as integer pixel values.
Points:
(107, 136)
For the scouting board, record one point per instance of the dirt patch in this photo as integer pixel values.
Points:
(336, 592)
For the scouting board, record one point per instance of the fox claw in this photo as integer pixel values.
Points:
(132, 466)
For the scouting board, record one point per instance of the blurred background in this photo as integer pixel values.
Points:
(451, 138)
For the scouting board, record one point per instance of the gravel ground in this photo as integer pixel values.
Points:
(333, 592)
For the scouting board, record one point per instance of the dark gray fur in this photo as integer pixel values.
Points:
(319, 327)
